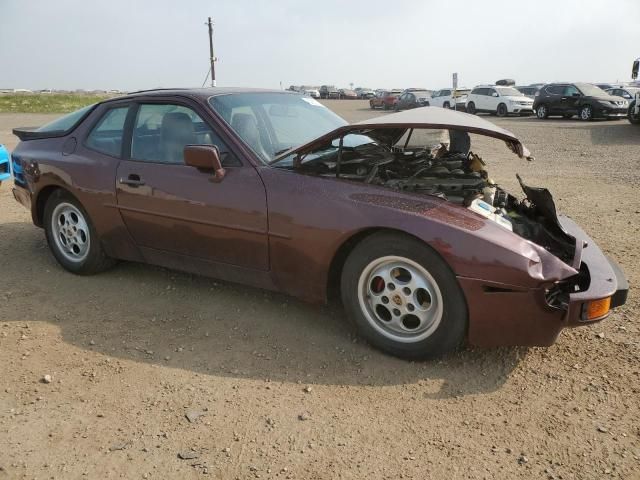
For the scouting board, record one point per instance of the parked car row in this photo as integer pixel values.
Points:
(585, 100)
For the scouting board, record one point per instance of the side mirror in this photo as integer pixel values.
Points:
(494, 94)
(205, 157)
(575, 94)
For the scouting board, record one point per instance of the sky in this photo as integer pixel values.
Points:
(138, 44)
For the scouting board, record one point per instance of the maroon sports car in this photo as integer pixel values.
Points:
(272, 189)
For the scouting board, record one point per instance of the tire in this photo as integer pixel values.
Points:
(71, 236)
(471, 108)
(542, 112)
(586, 113)
(633, 119)
(446, 105)
(502, 110)
(419, 311)
(371, 105)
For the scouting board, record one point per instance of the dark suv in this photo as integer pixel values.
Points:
(582, 99)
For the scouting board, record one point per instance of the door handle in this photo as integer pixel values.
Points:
(132, 180)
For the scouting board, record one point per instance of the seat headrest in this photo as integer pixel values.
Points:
(176, 126)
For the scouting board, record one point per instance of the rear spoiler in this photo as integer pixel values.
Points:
(31, 133)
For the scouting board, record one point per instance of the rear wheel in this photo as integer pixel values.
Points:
(71, 236)
(634, 118)
(502, 110)
(542, 111)
(586, 113)
(403, 297)
(471, 108)
(446, 105)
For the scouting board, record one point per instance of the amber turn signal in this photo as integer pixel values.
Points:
(597, 308)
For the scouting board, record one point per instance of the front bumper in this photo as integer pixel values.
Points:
(507, 315)
(520, 109)
(616, 112)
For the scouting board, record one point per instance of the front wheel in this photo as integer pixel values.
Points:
(471, 108)
(634, 118)
(71, 236)
(502, 110)
(446, 105)
(403, 297)
(542, 112)
(586, 113)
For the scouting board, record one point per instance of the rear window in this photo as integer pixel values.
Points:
(66, 122)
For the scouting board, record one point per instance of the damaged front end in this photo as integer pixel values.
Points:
(377, 152)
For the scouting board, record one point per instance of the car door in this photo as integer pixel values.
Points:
(445, 96)
(570, 100)
(171, 208)
(491, 101)
(553, 99)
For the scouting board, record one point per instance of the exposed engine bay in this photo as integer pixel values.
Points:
(453, 173)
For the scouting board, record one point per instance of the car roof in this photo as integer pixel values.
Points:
(202, 93)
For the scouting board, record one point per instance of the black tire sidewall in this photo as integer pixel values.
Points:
(502, 113)
(95, 259)
(471, 108)
(545, 109)
(451, 332)
(633, 119)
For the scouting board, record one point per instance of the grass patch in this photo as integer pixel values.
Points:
(47, 103)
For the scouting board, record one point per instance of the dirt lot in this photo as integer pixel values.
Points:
(284, 389)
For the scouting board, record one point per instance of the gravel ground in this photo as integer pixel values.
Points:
(157, 374)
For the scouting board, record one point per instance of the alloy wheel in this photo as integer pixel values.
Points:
(70, 232)
(400, 299)
(541, 112)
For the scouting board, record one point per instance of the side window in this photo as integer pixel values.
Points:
(161, 131)
(106, 135)
(556, 89)
(570, 90)
(446, 93)
(476, 91)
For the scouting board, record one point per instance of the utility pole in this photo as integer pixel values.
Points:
(212, 59)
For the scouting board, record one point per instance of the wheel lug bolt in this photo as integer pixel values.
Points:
(391, 286)
(410, 307)
(396, 312)
(406, 290)
(385, 300)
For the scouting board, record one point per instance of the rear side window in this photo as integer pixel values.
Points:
(555, 89)
(66, 122)
(106, 136)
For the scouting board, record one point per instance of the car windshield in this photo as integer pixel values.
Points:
(420, 93)
(590, 90)
(508, 92)
(66, 122)
(272, 123)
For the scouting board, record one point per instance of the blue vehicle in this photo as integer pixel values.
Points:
(5, 169)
